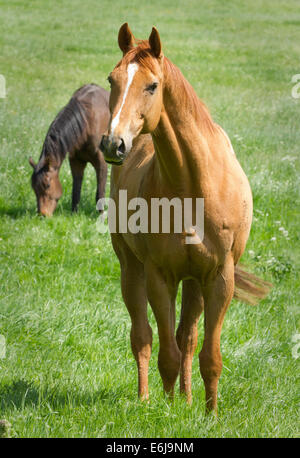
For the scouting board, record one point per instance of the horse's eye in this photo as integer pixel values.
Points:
(109, 80)
(151, 88)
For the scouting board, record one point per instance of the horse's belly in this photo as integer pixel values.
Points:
(173, 256)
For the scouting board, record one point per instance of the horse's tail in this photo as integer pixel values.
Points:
(248, 287)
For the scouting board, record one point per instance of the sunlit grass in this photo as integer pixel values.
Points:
(69, 370)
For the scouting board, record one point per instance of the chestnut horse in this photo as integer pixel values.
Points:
(192, 157)
(76, 130)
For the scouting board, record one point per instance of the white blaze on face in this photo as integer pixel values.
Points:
(131, 70)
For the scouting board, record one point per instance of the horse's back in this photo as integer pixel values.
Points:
(94, 101)
(92, 93)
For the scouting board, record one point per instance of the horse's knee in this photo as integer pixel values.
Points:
(141, 341)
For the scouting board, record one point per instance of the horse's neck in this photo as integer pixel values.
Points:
(54, 161)
(53, 152)
(181, 145)
(66, 134)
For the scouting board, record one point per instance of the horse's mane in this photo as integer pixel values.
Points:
(65, 132)
(143, 55)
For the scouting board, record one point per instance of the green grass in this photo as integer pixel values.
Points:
(68, 370)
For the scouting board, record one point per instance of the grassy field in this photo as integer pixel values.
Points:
(68, 369)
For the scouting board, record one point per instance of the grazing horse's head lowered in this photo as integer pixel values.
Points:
(136, 95)
(46, 185)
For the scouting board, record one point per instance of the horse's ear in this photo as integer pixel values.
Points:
(155, 43)
(125, 38)
(32, 163)
(43, 162)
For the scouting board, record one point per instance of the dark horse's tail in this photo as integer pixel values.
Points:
(248, 287)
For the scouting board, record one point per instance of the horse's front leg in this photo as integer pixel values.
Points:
(134, 295)
(101, 175)
(161, 298)
(77, 170)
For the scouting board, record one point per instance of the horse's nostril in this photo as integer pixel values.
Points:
(121, 147)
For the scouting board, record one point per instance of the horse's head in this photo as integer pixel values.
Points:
(46, 185)
(136, 94)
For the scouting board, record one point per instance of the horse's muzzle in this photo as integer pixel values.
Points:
(113, 149)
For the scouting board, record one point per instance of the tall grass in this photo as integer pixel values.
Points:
(68, 369)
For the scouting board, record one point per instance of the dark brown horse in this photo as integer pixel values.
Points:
(76, 130)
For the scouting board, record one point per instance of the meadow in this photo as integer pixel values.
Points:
(67, 369)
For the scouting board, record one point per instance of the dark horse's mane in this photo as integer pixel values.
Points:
(66, 132)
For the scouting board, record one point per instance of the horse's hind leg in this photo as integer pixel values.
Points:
(77, 170)
(217, 297)
(134, 295)
(161, 298)
(186, 336)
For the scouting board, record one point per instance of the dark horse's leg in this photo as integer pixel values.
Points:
(100, 166)
(77, 169)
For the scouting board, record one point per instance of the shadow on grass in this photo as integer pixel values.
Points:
(17, 212)
(64, 208)
(21, 394)
(86, 207)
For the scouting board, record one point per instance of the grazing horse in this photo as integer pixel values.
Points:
(76, 130)
(192, 158)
